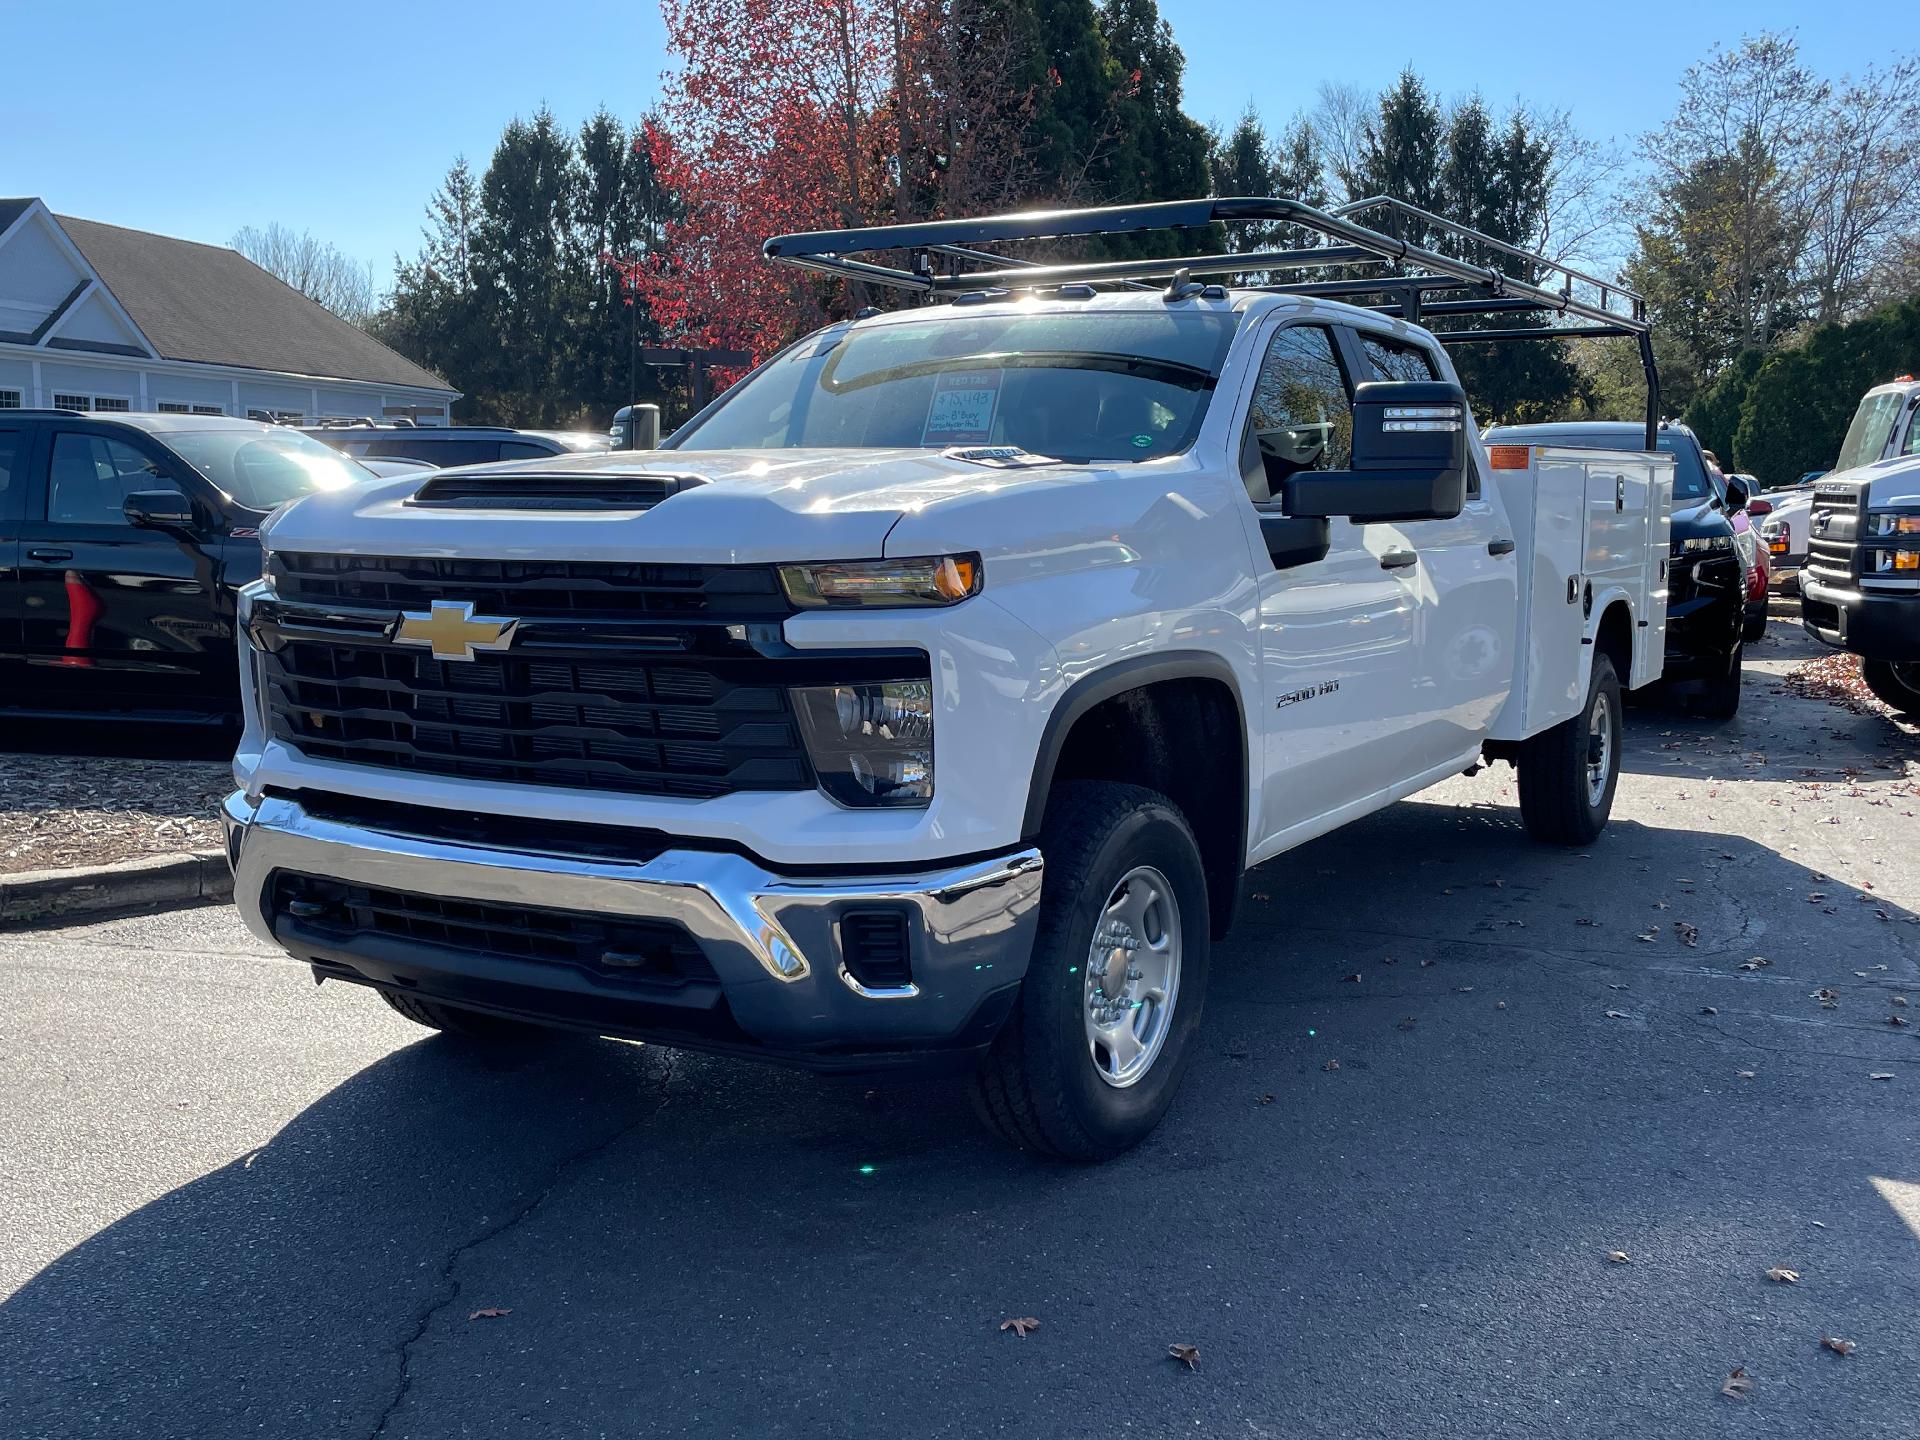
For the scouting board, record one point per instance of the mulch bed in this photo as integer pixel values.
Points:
(58, 811)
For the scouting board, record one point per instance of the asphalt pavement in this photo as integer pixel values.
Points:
(1445, 1074)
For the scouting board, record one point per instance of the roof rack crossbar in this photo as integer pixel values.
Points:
(1355, 243)
(1351, 243)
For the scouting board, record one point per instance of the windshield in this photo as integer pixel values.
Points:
(1872, 423)
(264, 468)
(1108, 386)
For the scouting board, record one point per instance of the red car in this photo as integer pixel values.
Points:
(1736, 492)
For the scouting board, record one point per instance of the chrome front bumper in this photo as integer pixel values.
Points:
(773, 940)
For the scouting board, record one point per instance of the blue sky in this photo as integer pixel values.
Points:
(194, 118)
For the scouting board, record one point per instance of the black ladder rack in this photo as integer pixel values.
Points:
(942, 257)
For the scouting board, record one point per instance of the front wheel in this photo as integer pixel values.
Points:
(1719, 698)
(1568, 774)
(1091, 1056)
(1897, 685)
(463, 1024)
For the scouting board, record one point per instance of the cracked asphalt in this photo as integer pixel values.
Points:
(236, 1205)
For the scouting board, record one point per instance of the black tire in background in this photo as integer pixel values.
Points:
(1719, 698)
(473, 1025)
(1896, 685)
(1038, 1086)
(1560, 801)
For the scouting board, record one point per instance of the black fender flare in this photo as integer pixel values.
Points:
(1116, 679)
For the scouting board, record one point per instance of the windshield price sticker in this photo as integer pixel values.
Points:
(961, 412)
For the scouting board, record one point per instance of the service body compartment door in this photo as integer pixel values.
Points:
(1556, 661)
(1650, 644)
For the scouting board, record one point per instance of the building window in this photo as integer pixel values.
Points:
(9, 399)
(172, 407)
(208, 410)
(117, 404)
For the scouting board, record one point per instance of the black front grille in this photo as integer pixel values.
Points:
(648, 726)
(530, 589)
(643, 952)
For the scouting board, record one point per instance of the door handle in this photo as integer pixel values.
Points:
(49, 555)
(1398, 559)
(1501, 546)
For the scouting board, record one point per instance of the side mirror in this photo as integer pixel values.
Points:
(1738, 497)
(1759, 506)
(158, 510)
(1409, 457)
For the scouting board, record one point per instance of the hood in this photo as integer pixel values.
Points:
(761, 506)
(1702, 517)
(1889, 482)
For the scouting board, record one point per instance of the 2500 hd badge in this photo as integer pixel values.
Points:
(1311, 692)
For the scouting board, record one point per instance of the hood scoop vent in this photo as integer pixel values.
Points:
(561, 490)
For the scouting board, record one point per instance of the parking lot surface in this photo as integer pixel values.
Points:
(1445, 1075)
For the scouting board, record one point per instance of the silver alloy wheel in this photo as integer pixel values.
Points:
(1599, 749)
(1133, 977)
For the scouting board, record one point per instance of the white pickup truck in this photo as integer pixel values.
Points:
(926, 697)
(1860, 588)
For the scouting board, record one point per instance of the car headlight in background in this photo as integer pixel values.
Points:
(871, 744)
(1702, 544)
(848, 584)
(1881, 523)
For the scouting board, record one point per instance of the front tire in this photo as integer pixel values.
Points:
(1568, 774)
(469, 1025)
(1719, 698)
(1089, 1060)
(1896, 685)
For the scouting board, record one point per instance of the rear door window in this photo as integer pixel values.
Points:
(13, 462)
(1394, 359)
(1302, 415)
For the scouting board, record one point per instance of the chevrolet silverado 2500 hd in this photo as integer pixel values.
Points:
(1860, 588)
(925, 698)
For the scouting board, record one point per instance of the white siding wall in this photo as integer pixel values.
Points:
(66, 373)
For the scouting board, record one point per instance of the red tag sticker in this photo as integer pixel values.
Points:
(961, 412)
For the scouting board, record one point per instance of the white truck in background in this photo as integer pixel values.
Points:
(1860, 587)
(925, 698)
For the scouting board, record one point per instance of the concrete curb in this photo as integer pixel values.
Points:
(151, 882)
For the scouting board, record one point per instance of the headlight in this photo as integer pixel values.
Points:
(927, 580)
(1700, 544)
(870, 744)
(1893, 522)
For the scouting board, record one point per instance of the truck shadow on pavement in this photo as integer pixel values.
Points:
(1443, 1074)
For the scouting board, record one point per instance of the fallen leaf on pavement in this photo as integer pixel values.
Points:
(1837, 1345)
(1688, 933)
(1350, 979)
(1266, 1099)
(1331, 1065)
(1187, 1355)
(1408, 1023)
(1880, 1075)
(1583, 920)
(492, 1312)
(1257, 895)
(1020, 1325)
(1463, 989)
(1784, 1276)
(1898, 1021)
(1743, 1074)
(1737, 1384)
(1619, 1257)
(1828, 998)
(1900, 1000)
(1649, 935)
(1425, 963)
(1618, 1015)
(1708, 1010)
(1755, 962)
(1499, 1004)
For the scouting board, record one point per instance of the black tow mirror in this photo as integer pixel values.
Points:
(1409, 457)
(158, 510)
(1738, 496)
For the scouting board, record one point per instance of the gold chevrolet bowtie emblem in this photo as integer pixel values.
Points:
(452, 631)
